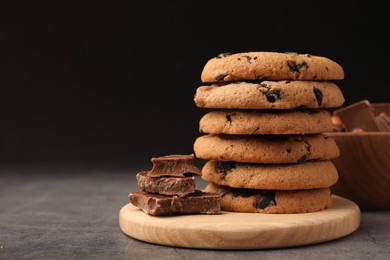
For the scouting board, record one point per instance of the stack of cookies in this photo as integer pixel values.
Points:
(263, 136)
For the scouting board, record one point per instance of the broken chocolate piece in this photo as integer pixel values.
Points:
(357, 116)
(160, 205)
(174, 165)
(179, 186)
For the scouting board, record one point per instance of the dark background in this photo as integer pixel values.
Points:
(97, 81)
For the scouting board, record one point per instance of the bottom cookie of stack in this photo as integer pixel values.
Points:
(276, 188)
(272, 201)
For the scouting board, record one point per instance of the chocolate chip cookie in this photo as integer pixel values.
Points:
(228, 67)
(270, 95)
(309, 175)
(271, 201)
(265, 148)
(254, 122)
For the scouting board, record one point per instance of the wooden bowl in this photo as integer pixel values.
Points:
(364, 168)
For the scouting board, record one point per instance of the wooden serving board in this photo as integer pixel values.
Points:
(233, 230)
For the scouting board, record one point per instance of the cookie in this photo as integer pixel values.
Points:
(228, 67)
(254, 122)
(270, 201)
(309, 175)
(270, 95)
(265, 148)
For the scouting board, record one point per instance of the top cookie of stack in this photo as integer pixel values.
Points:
(264, 139)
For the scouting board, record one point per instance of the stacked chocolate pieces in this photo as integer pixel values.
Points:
(169, 188)
(264, 137)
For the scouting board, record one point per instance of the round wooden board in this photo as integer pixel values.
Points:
(233, 230)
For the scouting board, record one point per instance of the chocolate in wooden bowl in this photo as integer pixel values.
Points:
(364, 168)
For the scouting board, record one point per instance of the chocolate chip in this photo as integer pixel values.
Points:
(229, 118)
(272, 96)
(296, 67)
(248, 58)
(223, 55)
(220, 77)
(224, 167)
(255, 131)
(302, 159)
(319, 95)
(288, 150)
(264, 86)
(265, 200)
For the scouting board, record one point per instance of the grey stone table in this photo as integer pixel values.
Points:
(71, 212)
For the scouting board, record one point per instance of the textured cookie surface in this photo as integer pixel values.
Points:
(270, 95)
(265, 148)
(269, 201)
(270, 66)
(253, 122)
(309, 175)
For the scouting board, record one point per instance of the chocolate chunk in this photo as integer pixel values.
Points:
(161, 205)
(319, 96)
(264, 86)
(179, 186)
(362, 116)
(224, 167)
(248, 58)
(174, 165)
(266, 199)
(228, 118)
(356, 116)
(296, 67)
(272, 96)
